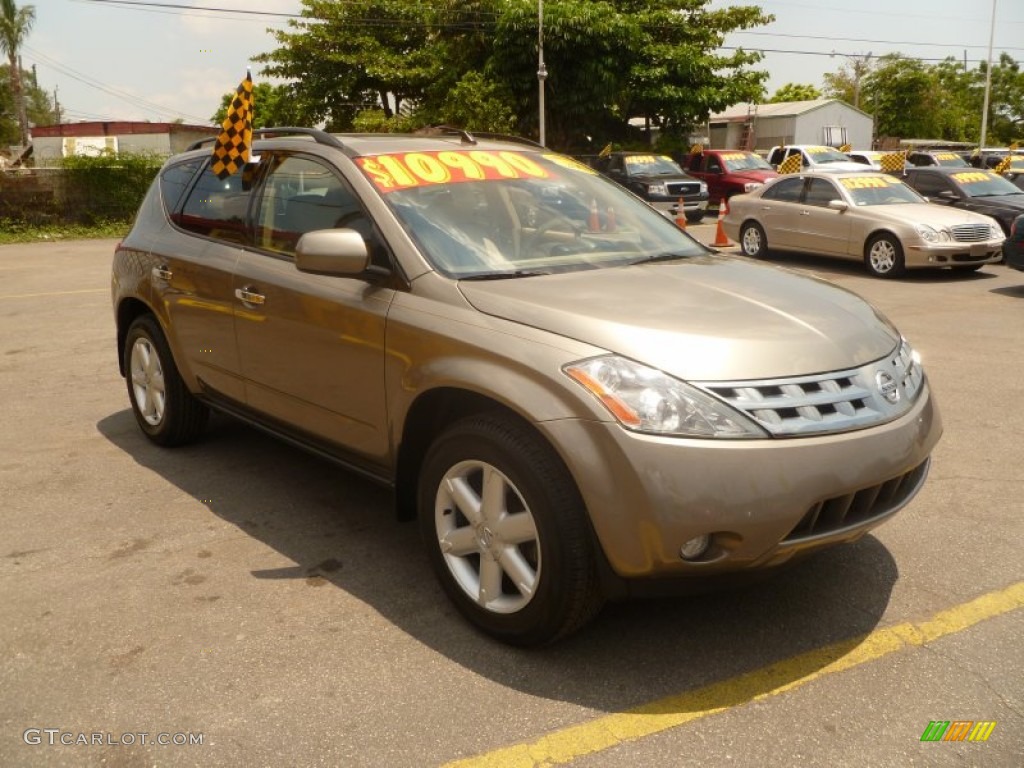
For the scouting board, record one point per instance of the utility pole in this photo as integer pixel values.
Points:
(988, 79)
(542, 71)
(56, 105)
(860, 68)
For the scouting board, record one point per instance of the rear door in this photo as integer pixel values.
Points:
(193, 277)
(778, 210)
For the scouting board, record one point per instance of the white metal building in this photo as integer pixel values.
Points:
(830, 122)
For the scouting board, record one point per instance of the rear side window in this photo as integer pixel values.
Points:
(787, 190)
(217, 207)
(174, 180)
(929, 184)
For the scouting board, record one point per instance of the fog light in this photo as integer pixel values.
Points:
(695, 547)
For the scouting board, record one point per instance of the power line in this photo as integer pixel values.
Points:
(865, 40)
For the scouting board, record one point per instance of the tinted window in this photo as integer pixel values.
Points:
(787, 190)
(300, 196)
(820, 192)
(217, 207)
(928, 184)
(174, 179)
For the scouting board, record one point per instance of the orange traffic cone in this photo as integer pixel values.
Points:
(595, 218)
(721, 241)
(680, 215)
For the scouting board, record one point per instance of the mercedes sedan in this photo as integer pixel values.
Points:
(869, 217)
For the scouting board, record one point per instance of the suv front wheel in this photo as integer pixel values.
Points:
(507, 531)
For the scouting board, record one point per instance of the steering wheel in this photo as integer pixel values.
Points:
(533, 240)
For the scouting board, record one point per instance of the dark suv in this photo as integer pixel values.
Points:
(659, 180)
(973, 189)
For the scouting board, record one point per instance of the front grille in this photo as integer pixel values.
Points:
(828, 402)
(683, 188)
(839, 512)
(971, 233)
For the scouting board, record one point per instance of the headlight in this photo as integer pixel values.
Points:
(750, 186)
(703, 187)
(931, 234)
(646, 400)
(657, 189)
(996, 232)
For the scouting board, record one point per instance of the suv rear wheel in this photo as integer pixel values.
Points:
(507, 531)
(163, 406)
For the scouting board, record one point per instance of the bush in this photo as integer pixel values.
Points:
(106, 187)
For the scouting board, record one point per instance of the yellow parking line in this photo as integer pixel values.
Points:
(612, 730)
(53, 293)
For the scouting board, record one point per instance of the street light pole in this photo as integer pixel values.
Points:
(542, 71)
(988, 78)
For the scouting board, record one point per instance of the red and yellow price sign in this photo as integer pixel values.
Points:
(868, 182)
(416, 169)
(971, 177)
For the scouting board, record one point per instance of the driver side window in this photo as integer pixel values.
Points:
(300, 196)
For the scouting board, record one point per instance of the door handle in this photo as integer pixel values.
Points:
(161, 272)
(249, 296)
(805, 213)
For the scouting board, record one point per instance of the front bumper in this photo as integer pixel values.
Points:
(761, 501)
(671, 205)
(952, 254)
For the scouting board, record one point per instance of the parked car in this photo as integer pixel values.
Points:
(979, 190)
(940, 157)
(1013, 248)
(659, 180)
(728, 172)
(813, 157)
(870, 158)
(870, 217)
(574, 397)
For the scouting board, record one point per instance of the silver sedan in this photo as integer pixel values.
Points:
(860, 216)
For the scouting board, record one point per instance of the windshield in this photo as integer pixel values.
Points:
(879, 190)
(743, 161)
(479, 214)
(651, 165)
(983, 184)
(949, 160)
(826, 155)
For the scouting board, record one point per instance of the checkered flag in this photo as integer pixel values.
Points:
(846, 148)
(1004, 164)
(231, 150)
(792, 164)
(893, 162)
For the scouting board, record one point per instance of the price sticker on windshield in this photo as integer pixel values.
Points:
(970, 177)
(417, 169)
(868, 182)
(641, 159)
(733, 156)
(819, 150)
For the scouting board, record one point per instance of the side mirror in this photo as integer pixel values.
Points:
(948, 196)
(838, 205)
(338, 252)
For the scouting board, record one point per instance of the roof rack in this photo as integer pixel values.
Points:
(434, 130)
(321, 137)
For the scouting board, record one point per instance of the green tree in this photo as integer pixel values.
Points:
(38, 108)
(900, 93)
(795, 92)
(845, 84)
(15, 24)
(477, 61)
(1006, 101)
(272, 105)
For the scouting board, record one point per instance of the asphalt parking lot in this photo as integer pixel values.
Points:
(247, 595)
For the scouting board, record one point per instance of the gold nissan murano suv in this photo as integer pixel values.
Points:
(575, 399)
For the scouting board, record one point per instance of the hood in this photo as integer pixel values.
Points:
(706, 318)
(937, 216)
(752, 175)
(1000, 203)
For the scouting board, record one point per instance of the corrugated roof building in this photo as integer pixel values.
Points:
(831, 122)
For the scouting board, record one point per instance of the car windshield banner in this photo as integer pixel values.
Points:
(418, 169)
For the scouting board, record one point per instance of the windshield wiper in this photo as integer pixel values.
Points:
(505, 275)
(660, 257)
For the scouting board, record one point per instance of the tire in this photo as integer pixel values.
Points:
(494, 500)
(753, 242)
(883, 256)
(166, 411)
(694, 217)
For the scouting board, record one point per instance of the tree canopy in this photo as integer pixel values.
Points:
(795, 92)
(401, 62)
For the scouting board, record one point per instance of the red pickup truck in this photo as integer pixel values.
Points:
(728, 172)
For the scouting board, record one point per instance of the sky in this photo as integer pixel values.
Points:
(108, 61)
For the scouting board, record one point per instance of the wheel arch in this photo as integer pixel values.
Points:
(128, 311)
(880, 232)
